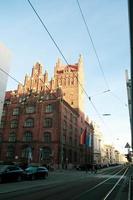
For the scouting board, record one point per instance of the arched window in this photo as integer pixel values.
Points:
(27, 136)
(72, 81)
(47, 137)
(12, 137)
(75, 81)
(14, 123)
(29, 122)
(68, 81)
(64, 82)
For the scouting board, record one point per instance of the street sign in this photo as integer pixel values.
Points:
(127, 145)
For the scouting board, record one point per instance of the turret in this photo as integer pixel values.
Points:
(46, 77)
(58, 65)
(37, 70)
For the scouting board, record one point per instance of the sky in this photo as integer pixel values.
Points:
(23, 34)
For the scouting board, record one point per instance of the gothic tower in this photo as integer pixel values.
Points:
(70, 79)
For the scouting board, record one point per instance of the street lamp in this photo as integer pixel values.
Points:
(106, 114)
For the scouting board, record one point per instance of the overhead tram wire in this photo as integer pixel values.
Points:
(10, 76)
(49, 89)
(89, 98)
(90, 37)
(98, 59)
(44, 26)
(19, 81)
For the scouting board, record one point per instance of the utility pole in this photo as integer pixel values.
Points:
(130, 10)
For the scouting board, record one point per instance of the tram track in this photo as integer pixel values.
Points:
(101, 184)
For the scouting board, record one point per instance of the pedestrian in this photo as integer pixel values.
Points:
(95, 169)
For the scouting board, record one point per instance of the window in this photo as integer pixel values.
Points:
(29, 123)
(71, 117)
(7, 102)
(27, 136)
(68, 81)
(10, 152)
(72, 81)
(49, 108)
(71, 102)
(64, 139)
(47, 122)
(30, 109)
(75, 120)
(70, 140)
(14, 123)
(47, 137)
(25, 152)
(15, 111)
(3, 113)
(65, 112)
(12, 137)
(65, 125)
(45, 153)
(2, 123)
(76, 131)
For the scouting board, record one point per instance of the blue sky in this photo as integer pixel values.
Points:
(23, 34)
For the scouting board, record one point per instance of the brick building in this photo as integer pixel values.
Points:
(42, 120)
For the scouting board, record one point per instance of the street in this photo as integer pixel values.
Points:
(109, 183)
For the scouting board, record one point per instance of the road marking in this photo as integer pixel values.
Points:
(115, 185)
(97, 185)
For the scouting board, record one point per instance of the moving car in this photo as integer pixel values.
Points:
(10, 173)
(35, 172)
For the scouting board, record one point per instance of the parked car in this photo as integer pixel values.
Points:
(84, 167)
(10, 173)
(35, 172)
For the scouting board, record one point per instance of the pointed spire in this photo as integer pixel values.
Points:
(80, 61)
(59, 61)
(46, 76)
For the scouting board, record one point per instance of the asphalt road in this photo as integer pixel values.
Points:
(110, 184)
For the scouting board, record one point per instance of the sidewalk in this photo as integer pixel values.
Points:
(131, 185)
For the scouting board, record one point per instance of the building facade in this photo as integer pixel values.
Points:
(42, 120)
(97, 145)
